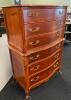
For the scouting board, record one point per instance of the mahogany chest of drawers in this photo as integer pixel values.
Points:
(35, 38)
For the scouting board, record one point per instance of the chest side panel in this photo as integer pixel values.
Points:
(14, 27)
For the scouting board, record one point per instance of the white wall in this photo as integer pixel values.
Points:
(5, 65)
(6, 3)
(45, 2)
(34, 2)
(69, 5)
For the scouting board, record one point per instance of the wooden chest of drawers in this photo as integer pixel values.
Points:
(35, 38)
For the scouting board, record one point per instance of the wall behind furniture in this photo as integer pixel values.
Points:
(69, 5)
(45, 2)
(34, 2)
(5, 64)
(6, 3)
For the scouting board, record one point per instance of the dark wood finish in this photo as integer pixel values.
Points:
(35, 38)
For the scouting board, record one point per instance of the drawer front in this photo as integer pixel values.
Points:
(45, 74)
(40, 28)
(45, 63)
(38, 15)
(45, 53)
(41, 40)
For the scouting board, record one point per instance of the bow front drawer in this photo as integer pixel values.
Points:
(39, 15)
(44, 74)
(41, 65)
(44, 53)
(41, 28)
(43, 39)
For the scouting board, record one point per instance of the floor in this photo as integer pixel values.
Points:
(57, 88)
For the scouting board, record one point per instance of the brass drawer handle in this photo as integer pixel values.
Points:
(30, 14)
(58, 46)
(33, 14)
(57, 55)
(35, 79)
(55, 65)
(35, 68)
(34, 42)
(35, 29)
(34, 58)
(58, 34)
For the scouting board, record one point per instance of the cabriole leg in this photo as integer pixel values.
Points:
(13, 81)
(28, 97)
(60, 72)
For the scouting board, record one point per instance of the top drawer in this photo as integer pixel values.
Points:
(39, 14)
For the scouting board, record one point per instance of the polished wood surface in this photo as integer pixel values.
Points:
(43, 54)
(35, 40)
(43, 27)
(37, 14)
(42, 75)
(14, 24)
(42, 64)
(43, 39)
